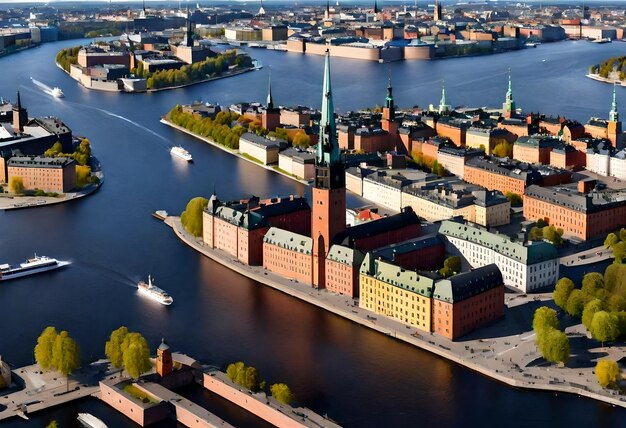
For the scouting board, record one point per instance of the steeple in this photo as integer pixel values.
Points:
(188, 41)
(443, 107)
(261, 9)
(375, 6)
(613, 114)
(19, 101)
(508, 108)
(270, 101)
(20, 116)
(327, 11)
(327, 147)
(389, 104)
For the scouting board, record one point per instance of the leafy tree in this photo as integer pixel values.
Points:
(552, 234)
(544, 319)
(243, 375)
(135, 355)
(52, 424)
(590, 310)
(65, 354)
(607, 372)
(612, 274)
(83, 174)
(282, 393)
(604, 327)
(592, 282)
(619, 251)
(451, 266)
(503, 149)
(562, 290)
(611, 239)
(515, 199)
(113, 347)
(576, 303)
(622, 234)
(16, 185)
(535, 234)
(54, 150)
(301, 140)
(191, 218)
(616, 303)
(43, 349)
(554, 346)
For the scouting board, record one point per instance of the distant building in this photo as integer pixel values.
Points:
(260, 148)
(47, 174)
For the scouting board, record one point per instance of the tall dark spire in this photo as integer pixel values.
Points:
(144, 6)
(389, 104)
(189, 34)
(19, 101)
(270, 100)
(328, 6)
(375, 6)
(327, 147)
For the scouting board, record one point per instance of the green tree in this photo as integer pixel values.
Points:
(515, 199)
(553, 235)
(113, 347)
(503, 149)
(65, 355)
(243, 375)
(619, 251)
(52, 424)
(562, 290)
(554, 346)
(282, 393)
(136, 355)
(592, 282)
(590, 310)
(43, 349)
(535, 234)
(607, 373)
(54, 150)
(16, 185)
(451, 266)
(604, 327)
(611, 239)
(576, 303)
(622, 234)
(544, 319)
(191, 218)
(616, 303)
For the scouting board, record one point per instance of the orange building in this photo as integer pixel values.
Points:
(466, 301)
(574, 208)
(454, 129)
(342, 270)
(499, 176)
(47, 174)
(534, 149)
(288, 254)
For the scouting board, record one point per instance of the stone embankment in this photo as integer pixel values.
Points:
(504, 351)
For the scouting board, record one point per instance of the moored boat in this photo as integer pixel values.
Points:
(153, 292)
(36, 264)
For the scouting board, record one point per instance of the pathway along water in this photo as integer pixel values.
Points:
(358, 377)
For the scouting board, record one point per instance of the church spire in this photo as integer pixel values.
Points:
(189, 34)
(509, 92)
(613, 114)
(375, 6)
(443, 107)
(508, 108)
(389, 104)
(270, 100)
(19, 101)
(327, 147)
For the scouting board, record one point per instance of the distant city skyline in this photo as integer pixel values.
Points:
(315, 2)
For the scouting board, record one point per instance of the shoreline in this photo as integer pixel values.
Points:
(236, 153)
(210, 79)
(598, 78)
(509, 373)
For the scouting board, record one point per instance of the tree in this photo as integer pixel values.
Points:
(243, 375)
(604, 327)
(576, 303)
(535, 234)
(282, 393)
(52, 424)
(54, 150)
(552, 234)
(544, 319)
(611, 239)
(191, 218)
(503, 149)
(113, 347)
(515, 199)
(607, 372)
(619, 251)
(590, 310)
(43, 349)
(622, 234)
(592, 282)
(562, 290)
(65, 355)
(554, 346)
(616, 303)
(451, 266)
(135, 355)
(16, 185)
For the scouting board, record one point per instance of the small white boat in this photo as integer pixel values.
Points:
(531, 44)
(257, 64)
(90, 421)
(57, 92)
(160, 214)
(153, 292)
(181, 153)
(604, 40)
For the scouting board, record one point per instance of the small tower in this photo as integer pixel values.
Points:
(164, 364)
(270, 118)
(437, 11)
(389, 111)
(20, 116)
(261, 9)
(328, 214)
(443, 107)
(614, 126)
(188, 40)
(508, 108)
(376, 7)
(327, 11)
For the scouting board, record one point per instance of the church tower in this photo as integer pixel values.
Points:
(328, 216)
(270, 118)
(508, 107)
(614, 126)
(443, 106)
(188, 40)
(164, 364)
(20, 116)
(389, 113)
(437, 11)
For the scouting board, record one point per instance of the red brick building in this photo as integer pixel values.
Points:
(288, 254)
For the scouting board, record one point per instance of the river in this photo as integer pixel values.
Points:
(358, 377)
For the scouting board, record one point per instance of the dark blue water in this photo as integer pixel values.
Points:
(358, 377)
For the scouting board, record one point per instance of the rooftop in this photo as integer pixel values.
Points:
(39, 162)
(398, 277)
(289, 240)
(568, 196)
(468, 284)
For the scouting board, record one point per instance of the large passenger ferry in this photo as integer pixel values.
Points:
(31, 266)
(181, 153)
(153, 292)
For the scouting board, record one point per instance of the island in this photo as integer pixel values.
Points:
(613, 70)
(41, 162)
(147, 62)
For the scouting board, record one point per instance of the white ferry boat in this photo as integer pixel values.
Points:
(181, 153)
(153, 292)
(31, 266)
(90, 421)
(57, 92)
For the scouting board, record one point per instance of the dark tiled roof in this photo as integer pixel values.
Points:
(469, 284)
(376, 227)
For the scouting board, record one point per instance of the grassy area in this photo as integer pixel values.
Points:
(286, 173)
(137, 393)
(253, 159)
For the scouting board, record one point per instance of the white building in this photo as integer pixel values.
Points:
(524, 267)
(262, 149)
(618, 165)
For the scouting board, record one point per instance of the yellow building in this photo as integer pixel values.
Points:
(397, 293)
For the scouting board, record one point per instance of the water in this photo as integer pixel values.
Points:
(358, 377)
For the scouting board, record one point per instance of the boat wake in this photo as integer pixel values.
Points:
(111, 274)
(44, 88)
(137, 125)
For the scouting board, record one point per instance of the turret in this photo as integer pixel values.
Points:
(164, 363)
(508, 108)
(443, 106)
(613, 114)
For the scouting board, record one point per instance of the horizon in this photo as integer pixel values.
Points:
(321, 2)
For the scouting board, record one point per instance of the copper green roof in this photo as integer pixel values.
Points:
(398, 277)
(535, 252)
(468, 284)
(289, 240)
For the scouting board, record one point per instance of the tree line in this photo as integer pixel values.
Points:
(615, 64)
(68, 56)
(248, 377)
(543, 231)
(218, 129)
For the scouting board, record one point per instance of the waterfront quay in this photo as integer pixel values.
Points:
(504, 351)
